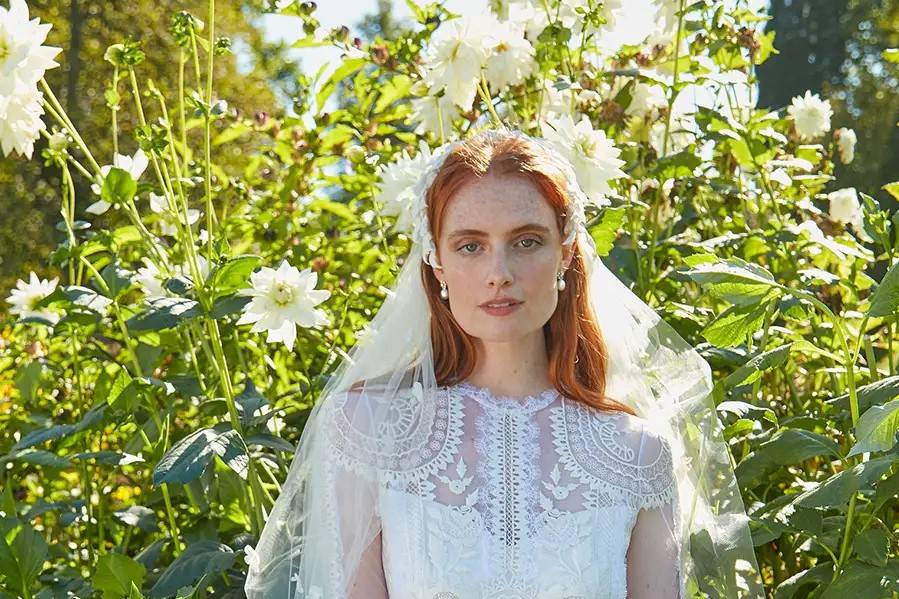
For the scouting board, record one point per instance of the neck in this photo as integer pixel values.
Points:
(519, 367)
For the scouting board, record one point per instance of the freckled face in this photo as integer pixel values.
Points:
(500, 238)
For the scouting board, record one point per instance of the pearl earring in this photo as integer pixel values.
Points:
(560, 282)
(444, 292)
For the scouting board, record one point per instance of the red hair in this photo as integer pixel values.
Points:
(578, 356)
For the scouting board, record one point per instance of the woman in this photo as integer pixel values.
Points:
(516, 424)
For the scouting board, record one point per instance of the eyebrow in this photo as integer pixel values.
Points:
(515, 231)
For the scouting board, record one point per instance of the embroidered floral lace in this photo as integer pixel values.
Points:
(483, 496)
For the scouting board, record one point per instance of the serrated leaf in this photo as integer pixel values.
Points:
(734, 280)
(733, 325)
(750, 371)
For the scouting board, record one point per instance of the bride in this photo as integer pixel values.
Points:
(515, 424)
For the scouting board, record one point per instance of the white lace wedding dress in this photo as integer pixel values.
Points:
(485, 496)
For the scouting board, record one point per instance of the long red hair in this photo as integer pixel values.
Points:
(578, 356)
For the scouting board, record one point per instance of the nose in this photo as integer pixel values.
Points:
(500, 275)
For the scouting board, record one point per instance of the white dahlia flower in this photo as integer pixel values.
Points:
(811, 115)
(283, 298)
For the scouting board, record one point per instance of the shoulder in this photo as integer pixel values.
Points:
(397, 431)
(614, 449)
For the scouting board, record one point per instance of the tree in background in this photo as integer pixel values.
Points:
(29, 191)
(835, 47)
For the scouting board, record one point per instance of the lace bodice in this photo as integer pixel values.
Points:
(486, 496)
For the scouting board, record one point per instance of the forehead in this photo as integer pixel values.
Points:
(497, 202)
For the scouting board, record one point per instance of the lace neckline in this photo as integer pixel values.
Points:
(526, 404)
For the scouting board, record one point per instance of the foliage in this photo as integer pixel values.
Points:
(145, 432)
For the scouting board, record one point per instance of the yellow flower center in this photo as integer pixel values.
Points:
(4, 48)
(586, 145)
(282, 293)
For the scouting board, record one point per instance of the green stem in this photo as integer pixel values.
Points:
(60, 113)
(126, 336)
(115, 110)
(674, 91)
(181, 63)
(208, 133)
(484, 90)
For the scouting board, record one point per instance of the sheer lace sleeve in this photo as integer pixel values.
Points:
(322, 539)
(354, 514)
(653, 559)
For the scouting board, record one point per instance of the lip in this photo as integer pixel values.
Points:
(501, 300)
(503, 311)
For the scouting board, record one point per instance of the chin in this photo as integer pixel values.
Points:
(504, 332)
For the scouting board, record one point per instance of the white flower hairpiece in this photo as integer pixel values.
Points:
(421, 230)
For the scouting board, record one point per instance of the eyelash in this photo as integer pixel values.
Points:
(534, 239)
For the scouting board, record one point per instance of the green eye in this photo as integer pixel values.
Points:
(535, 242)
(466, 245)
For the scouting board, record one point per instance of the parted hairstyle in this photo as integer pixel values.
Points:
(578, 357)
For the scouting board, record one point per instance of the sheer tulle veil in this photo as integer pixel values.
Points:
(323, 522)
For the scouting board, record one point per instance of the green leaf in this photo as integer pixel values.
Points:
(734, 280)
(233, 275)
(87, 298)
(118, 279)
(42, 458)
(22, 555)
(28, 379)
(248, 402)
(115, 574)
(605, 233)
(872, 545)
(123, 378)
(787, 446)
(137, 515)
(394, 89)
(874, 393)
(118, 186)
(892, 189)
(189, 458)
(676, 166)
(839, 488)
(342, 72)
(164, 313)
(227, 306)
(876, 429)
(750, 371)
(271, 441)
(817, 576)
(199, 560)
(859, 579)
(732, 326)
(886, 297)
